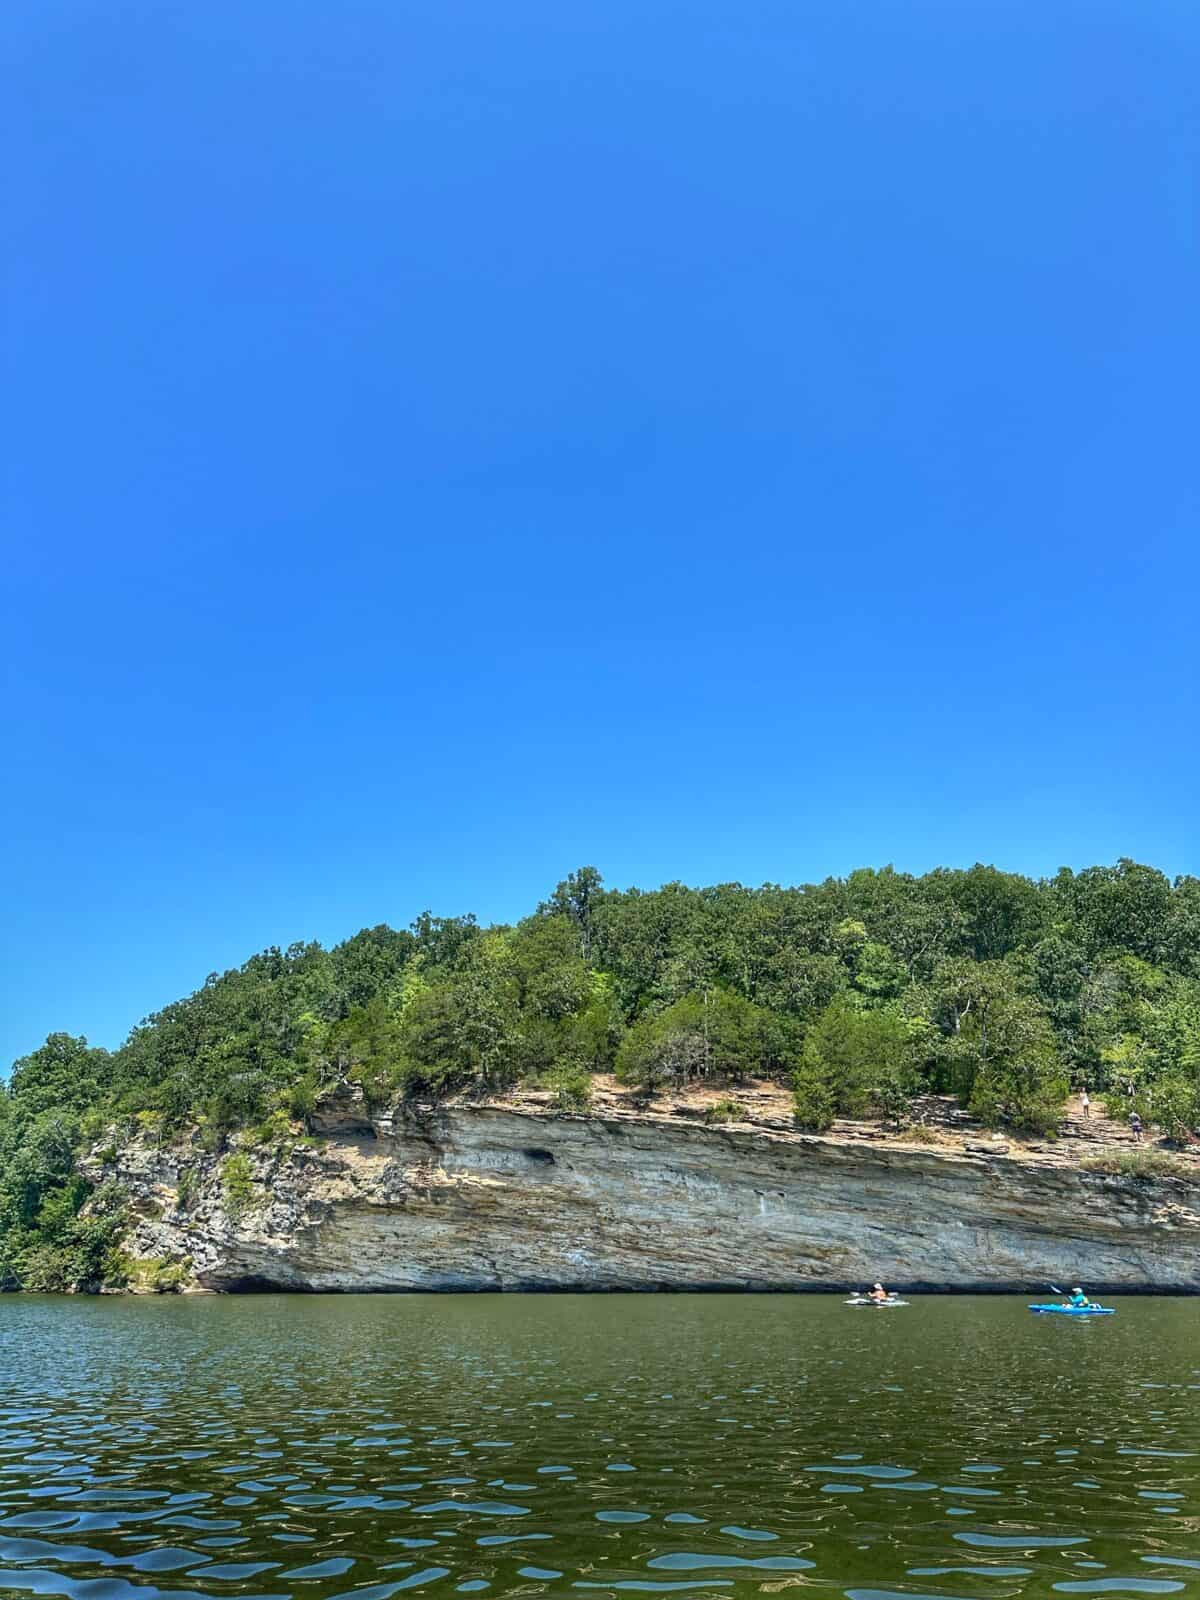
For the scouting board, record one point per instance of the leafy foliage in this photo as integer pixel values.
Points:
(715, 1034)
(1138, 1163)
(857, 1060)
(860, 991)
(725, 1110)
(237, 1185)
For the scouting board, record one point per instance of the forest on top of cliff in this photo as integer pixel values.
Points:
(860, 992)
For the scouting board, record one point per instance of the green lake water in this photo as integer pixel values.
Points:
(554, 1445)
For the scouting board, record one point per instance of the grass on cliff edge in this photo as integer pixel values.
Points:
(1139, 1163)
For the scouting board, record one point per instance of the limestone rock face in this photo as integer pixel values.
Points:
(489, 1197)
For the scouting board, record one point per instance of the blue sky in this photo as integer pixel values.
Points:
(451, 443)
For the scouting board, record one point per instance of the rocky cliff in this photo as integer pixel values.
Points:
(473, 1197)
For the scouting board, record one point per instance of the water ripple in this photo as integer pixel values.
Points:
(357, 1449)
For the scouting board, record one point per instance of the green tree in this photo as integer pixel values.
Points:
(996, 1046)
(1126, 907)
(1174, 1104)
(364, 1047)
(464, 1031)
(64, 1074)
(998, 911)
(856, 1060)
(576, 898)
(717, 1033)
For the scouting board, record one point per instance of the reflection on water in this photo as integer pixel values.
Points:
(649, 1445)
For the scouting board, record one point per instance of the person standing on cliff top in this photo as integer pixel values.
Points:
(1085, 1102)
(1135, 1123)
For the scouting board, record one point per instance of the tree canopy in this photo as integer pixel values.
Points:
(860, 991)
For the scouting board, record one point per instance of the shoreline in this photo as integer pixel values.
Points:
(511, 1195)
(924, 1291)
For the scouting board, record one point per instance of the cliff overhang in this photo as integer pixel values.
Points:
(494, 1197)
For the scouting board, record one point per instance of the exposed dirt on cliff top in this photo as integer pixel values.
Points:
(939, 1122)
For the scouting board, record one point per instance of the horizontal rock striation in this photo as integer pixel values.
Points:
(499, 1198)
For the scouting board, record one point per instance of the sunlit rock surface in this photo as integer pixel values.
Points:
(488, 1197)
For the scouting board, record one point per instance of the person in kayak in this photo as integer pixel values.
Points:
(878, 1293)
(1078, 1298)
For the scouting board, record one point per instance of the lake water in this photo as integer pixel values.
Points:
(577, 1445)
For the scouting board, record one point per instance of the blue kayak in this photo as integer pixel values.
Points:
(1075, 1311)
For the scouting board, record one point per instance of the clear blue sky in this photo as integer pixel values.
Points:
(448, 443)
